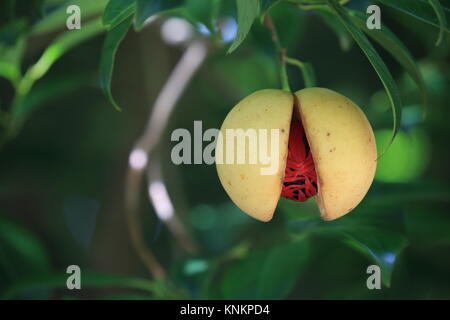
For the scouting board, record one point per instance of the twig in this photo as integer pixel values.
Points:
(281, 52)
(134, 178)
(143, 154)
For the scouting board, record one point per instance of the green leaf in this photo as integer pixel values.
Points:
(117, 11)
(441, 18)
(10, 60)
(270, 273)
(20, 251)
(392, 44)
(382, 246)
(49, 90)
(60, 46)
(110, 46)
(52, 53)
(377, 63)
(247, 12)
(147, 8)
(419, 9)
(375, 231)
(89, 279)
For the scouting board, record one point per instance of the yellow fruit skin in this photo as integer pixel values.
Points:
(252, 192)
(343, 146)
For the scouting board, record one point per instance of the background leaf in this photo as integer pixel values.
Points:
(376, 61)
(419, 9)
(377, 232)
(117, 11)
(52, 53)
(268, 273)
(110, 46)
(392, 44)
(247, 11)
(441, 18)
(89, 279)
(49, 90)
(382, 246)
(20, 251)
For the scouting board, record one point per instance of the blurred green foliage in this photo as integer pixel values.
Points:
(64, 153)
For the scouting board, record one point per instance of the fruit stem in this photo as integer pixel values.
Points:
(306, 69)
(281, 52)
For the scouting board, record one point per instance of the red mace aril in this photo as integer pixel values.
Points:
(300, 180)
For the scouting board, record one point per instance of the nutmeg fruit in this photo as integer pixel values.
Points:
(325, 149)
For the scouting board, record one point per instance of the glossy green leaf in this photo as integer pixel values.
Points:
(268, 273)
(247, 12)
(376, 61)
(110, 46)
(147, 8)
(392, 44)
(436, 5)
(419, 9)
(117, 11)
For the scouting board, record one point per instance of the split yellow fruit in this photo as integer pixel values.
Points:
(325, 147)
